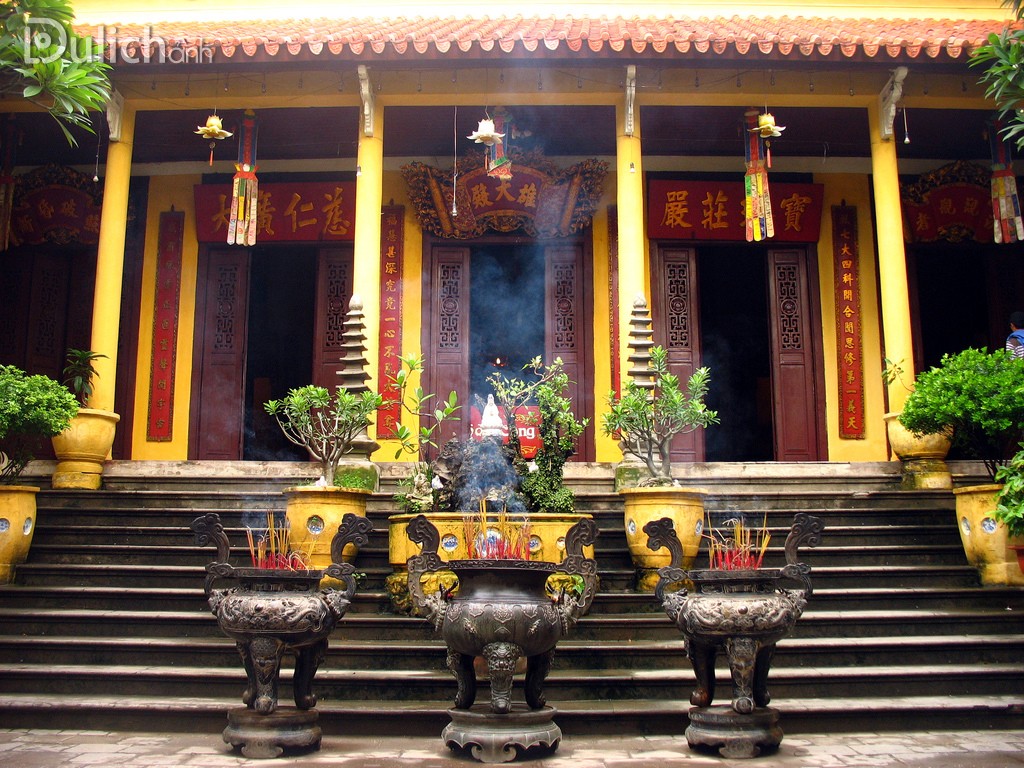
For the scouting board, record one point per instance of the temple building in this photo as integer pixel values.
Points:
(799, 192)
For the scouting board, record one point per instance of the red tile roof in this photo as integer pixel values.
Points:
(792, 37)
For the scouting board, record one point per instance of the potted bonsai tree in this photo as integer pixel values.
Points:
(646, 417)
(32, 409)
(85, 445)
(975, 396)
(327, 426)
(923, 456)
(550, 504)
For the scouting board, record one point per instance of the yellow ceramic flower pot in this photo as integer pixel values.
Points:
(83, 448)
(684, 506)
(986, 541)
(314, 514)
(17, 526)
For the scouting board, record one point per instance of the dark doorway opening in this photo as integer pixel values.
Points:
(964, 294)
(506, 311)
(279, 353)
(735, 346)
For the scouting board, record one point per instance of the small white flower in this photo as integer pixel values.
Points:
(531, 466)
(436, 483)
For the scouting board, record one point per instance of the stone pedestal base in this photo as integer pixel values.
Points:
(264, 736)
(494, 738)
(81, 481)
(925, 473)
(734, 735)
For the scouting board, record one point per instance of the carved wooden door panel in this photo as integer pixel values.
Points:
(218, 389)
(446, 327)
(565, 334)
(795, 417)
(674, 305)
(333, 292)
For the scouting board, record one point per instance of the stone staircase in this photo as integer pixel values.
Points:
(107, 626)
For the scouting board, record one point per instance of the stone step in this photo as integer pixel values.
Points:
(592, 716)
(433, 682)
(571, 654)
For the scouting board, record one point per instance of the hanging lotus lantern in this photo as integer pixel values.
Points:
(214, 131)
(766, 126)
(486, 133)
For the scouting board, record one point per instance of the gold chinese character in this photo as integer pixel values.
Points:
(294, 208)
(715, 211)
(793, 208)
(676, 209)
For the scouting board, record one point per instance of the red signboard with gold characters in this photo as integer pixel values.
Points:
(849, 345)
(714, 210)
(300, 211)
(389, 361)
(165, 326)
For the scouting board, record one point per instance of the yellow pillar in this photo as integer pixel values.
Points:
(366, 277)
(633, 268)
(892, 262)
(106, 305)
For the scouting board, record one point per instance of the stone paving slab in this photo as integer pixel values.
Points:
(40, 748)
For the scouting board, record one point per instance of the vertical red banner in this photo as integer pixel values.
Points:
(849, 337)
(165, 326)
(390, 352)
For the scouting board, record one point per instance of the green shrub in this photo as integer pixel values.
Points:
(32, 409)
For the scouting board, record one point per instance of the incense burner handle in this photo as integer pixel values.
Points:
(573, 605)
(805, 531)
(353, 530)
(661, 534)
(423, 532)
(208, 529)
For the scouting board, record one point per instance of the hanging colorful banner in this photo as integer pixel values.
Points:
(389, 362)
(165, 326)
(715, 210)
(1007, 226)
(849, 339)
(244, 186)
(759, 223)
(300, 211)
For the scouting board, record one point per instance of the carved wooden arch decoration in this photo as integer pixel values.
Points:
(55, 204)
(540, 199)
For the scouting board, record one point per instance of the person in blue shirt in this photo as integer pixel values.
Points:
(1015, 341)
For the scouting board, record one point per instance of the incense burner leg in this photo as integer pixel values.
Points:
(461, 665)
(702, 657)
(308, 659)
(742, 653)
(265, 658)
(537, 668)
(761, 667)
(501, 664)
(250, 674)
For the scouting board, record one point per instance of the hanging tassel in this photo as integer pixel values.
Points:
(242, 224)
(1007, 224)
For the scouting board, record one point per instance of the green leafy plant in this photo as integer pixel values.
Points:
(540, 481)
(323, 424)
(32, 409)
(80, 372)
(43, 57)
(417, 490)
(647, 419)
(1010, 502)
(1002, 58)
(977, 396)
